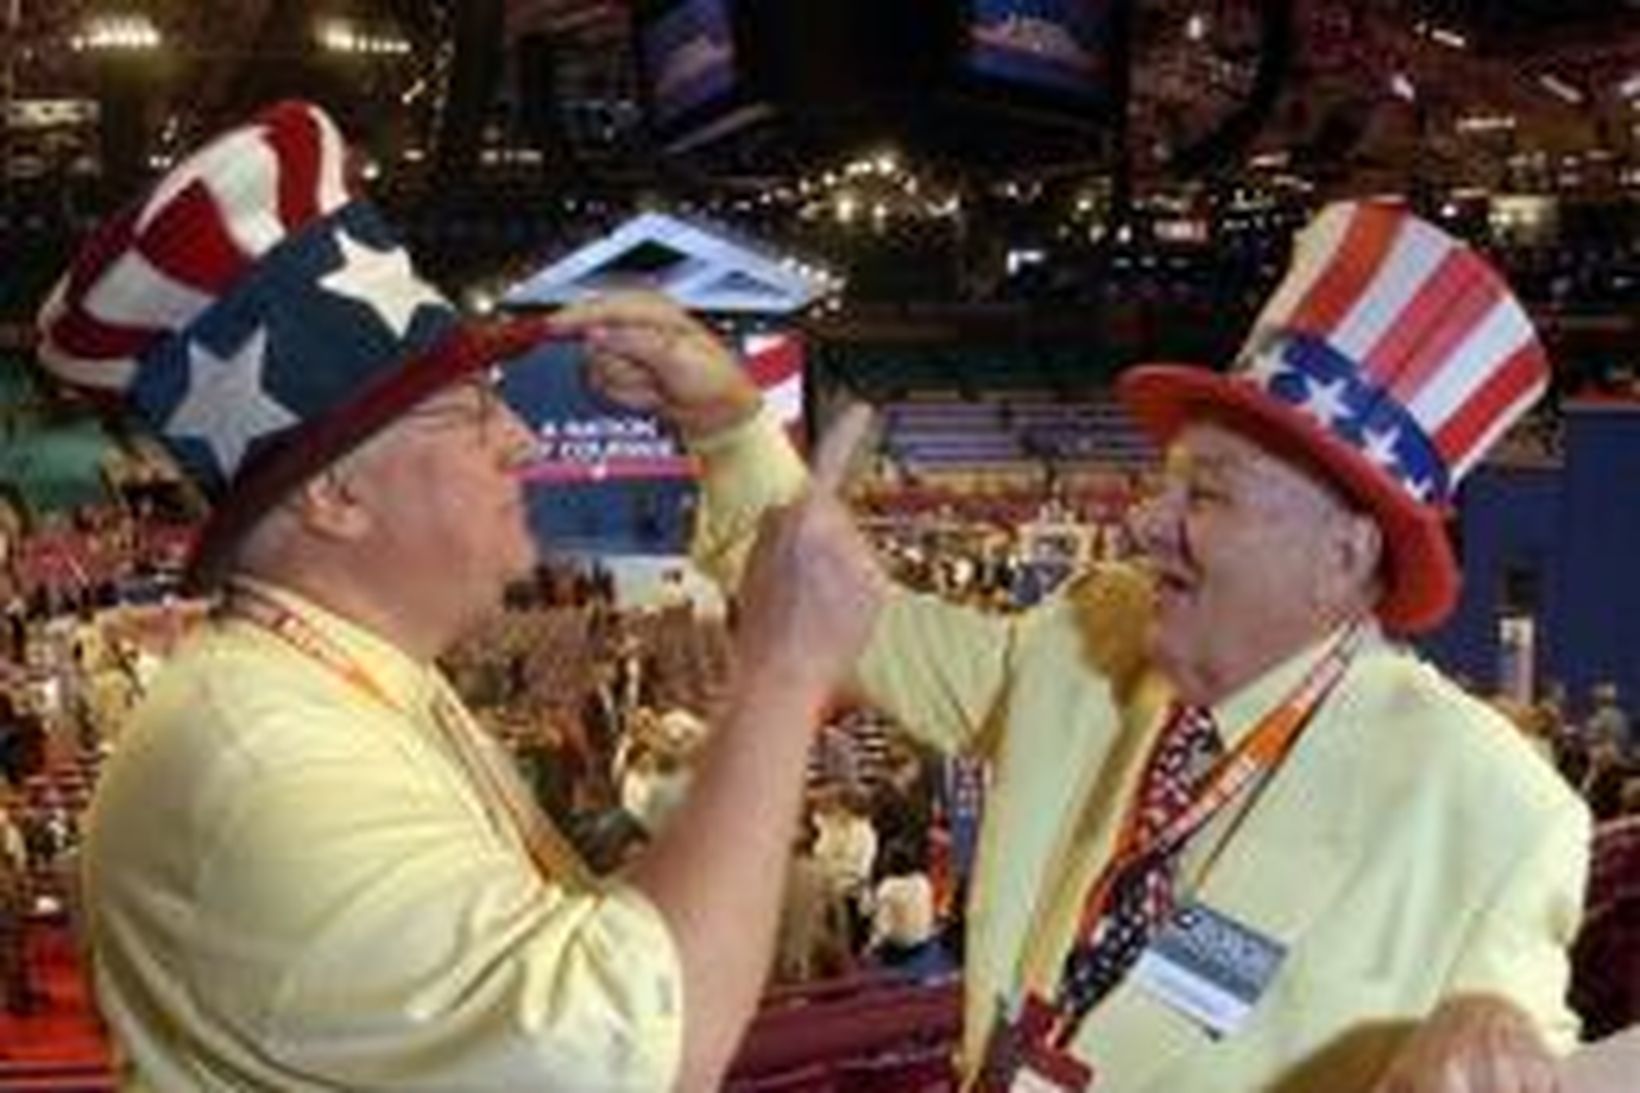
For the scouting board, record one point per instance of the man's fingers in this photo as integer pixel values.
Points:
(642, 308)
(837, 447)
(641, 341)
(615, 373)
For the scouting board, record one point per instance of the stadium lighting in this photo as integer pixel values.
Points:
(342, 36)
(1560, 89)
(1485, 123)
(117, 34)
(1447, 37)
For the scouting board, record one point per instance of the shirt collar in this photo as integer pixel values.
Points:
(402, 679)
(1238, 714)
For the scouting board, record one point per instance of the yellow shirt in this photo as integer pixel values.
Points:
(292, 885)
(1410, 848)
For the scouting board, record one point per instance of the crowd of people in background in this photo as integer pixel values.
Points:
(1594, 743)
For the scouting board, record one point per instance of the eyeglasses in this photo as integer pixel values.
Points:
(474, 402)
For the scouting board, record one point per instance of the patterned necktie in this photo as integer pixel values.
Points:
(1142, 896)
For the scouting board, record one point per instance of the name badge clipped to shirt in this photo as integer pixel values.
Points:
(1209, 967)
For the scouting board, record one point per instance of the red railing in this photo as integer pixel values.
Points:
(861, 1034)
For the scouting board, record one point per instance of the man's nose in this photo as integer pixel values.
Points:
(514, 439)
(1148, 521)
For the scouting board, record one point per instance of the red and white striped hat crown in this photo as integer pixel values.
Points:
(1392, 356)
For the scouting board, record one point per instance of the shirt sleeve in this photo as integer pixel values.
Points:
(940, 670)
(1519, 944)
(365, 925)
(745, 470)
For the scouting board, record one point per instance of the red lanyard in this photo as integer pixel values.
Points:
(1258, 754)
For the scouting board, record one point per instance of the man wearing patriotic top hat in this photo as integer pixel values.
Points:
(1266, 862)
(305, 867)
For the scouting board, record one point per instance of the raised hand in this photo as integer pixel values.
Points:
(813, 587)
(1474, 1044)
(647, 353)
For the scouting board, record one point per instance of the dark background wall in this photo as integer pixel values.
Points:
(1561, 545)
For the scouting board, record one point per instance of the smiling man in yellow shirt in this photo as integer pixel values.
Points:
(1264, 865)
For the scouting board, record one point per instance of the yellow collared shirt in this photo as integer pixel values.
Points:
(1411, 848)
(291, 885)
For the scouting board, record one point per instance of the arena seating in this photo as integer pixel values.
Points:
(936, 433)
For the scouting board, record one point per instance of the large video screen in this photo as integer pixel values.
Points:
(607, 481)
(1055, 47)
(688, 55)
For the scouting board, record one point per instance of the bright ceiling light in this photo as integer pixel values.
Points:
(128, 33)
(1560, 89)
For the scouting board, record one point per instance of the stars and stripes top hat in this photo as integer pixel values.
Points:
(1391, 358)
(259, 317)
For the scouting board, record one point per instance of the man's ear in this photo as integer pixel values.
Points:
(329, 505)
(1357, 555)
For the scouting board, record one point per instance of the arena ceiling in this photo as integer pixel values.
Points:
(1266, 105)
(1486, 93)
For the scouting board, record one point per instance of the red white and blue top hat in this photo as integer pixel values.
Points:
(1390, 358)
(259, 317)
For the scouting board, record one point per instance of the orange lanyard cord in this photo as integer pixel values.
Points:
(552, 855)
(262, 610)
(1259, 754)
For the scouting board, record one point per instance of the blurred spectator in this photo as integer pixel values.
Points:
(846, 850)
(633, 677)
(657, 765)
(603, 717)
(813, 939)
(1609, 724)
(846, 846)
(903, 805)
(1603, 785)
(672, 594)
(16, 989)
(22, 741)
(1605, 986)
(904, 931)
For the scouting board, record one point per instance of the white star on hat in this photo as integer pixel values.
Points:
(381, 280)
(1265, 366)
(1380, 447)
(1325, 401)
(226, 406)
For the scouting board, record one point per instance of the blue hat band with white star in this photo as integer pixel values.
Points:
(1312, 377)
(321, 315)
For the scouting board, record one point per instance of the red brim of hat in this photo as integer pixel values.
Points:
(274, 472)
(1421, 577)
